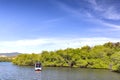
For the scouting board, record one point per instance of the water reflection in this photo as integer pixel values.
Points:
(38, 75)
(12, 72)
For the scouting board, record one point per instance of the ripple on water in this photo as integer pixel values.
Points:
(9, 71)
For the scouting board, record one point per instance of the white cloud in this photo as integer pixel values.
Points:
(95, 5)
(71, 10)
(92, 2)
(38, 45)
(115, 27)
(106, 11)
(111, 26)
(53, 20)
(112, 14)
(23, 42)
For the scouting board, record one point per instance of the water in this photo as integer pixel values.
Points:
(8, 71)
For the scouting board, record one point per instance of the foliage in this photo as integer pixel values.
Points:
(99, 56)
(5, 59)
(115, 59)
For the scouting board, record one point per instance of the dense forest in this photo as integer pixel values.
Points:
(106, 56)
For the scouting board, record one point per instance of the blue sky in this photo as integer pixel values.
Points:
(36, 25)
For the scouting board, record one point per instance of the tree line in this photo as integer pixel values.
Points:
(5, 59)
(106, 56)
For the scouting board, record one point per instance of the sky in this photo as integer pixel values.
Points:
(31, 26)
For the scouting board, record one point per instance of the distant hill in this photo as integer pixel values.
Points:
(10, 54)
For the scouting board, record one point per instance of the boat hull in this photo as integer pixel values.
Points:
(38, 69)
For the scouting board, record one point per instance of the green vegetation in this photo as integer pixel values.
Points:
(5, 59)
(105, 56)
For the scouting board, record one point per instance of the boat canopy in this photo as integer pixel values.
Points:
(38, 64)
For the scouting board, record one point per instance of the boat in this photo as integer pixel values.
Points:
(38, 66)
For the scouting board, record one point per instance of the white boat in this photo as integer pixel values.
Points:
(38, 67)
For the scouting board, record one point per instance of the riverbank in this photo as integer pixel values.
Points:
(105, 56)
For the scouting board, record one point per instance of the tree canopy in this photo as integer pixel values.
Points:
(105, 56)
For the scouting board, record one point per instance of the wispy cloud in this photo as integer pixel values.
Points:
(92, 2)
(112, 14)
(106, 11)
(95, 5)
(53, 20)
(109, 26)
(71, 10)
(37, 45)
(113, 26)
